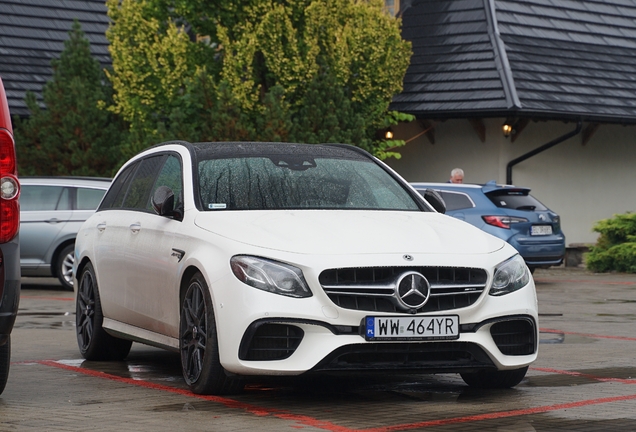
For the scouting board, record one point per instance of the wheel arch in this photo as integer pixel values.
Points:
(56, 254)
(185, 279)
(81, 265)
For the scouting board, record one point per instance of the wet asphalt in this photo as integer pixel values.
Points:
(584, 379)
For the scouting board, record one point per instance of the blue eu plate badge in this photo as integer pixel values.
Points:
(370, 327)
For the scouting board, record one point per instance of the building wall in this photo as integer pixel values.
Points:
(582, 183)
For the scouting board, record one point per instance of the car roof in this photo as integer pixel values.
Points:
(491, 186)
(220, 150)
(91, 182)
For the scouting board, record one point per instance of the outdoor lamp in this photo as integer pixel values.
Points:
(507, 129)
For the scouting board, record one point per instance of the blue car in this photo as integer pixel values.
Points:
(507, 212)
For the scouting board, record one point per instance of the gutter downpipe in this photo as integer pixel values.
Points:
(538, 150)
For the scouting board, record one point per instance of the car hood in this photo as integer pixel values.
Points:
(350, 232)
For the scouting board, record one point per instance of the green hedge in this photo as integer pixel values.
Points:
(615, 249)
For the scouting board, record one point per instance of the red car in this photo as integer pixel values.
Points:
(9, 245)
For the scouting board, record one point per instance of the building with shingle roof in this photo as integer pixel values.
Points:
(540, 59)
(560, 73)
(32, 33)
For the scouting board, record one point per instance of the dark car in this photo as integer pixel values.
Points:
(9, 245)
(510, 213)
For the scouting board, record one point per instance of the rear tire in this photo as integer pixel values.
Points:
(495, 379)
(198, 343)
(64, 266)
(93, 341)
(5, 357)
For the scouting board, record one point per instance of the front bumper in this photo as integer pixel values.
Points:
(268, 334)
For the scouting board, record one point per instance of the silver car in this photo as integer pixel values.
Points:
(52, 209)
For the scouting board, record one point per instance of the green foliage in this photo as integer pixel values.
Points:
(72, 136)
(307, 71)
(151, 63)
(615, 249)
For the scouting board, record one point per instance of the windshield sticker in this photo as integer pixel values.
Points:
(217, 206)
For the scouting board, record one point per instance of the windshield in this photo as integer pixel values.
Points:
(296, 181)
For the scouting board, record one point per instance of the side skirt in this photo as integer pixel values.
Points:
(136, 334)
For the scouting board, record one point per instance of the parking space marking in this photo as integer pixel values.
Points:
(583, 281)
(326, 425)
(590, 335)
(584, 375)
(501, 414)
(47, 298)
(230, 403)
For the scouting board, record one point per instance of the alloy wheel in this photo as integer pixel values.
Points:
(194, 329)
(67, 268)
(85, 313)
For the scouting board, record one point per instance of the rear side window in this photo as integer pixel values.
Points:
(456, 200)
(44, 198)
(88, 199)
(515, 200)
(115, 196)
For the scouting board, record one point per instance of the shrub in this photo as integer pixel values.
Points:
(615, 249)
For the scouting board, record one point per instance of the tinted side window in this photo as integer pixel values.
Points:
(456, 200)
(138, 195)
(171, 176)
(115, 196)
(41, 197)
(88, 199)
(516, 200)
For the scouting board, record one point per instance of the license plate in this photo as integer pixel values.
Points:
(412, 328)
(541, 230)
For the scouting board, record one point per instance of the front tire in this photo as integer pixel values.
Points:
(64, 267)
(93, 341)
(5, 357)
(198, 343)
(495, 379)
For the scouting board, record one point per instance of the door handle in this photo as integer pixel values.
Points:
(101, 226)
(135, 227)
(53, 221)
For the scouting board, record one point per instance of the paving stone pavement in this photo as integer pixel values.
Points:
(584, 379)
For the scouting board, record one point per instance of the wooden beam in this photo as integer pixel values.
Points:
(519, 126)
(429, 130)
(588, 132)
(479, 127)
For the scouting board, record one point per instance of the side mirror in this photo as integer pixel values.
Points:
(163, 201)
(435, 200)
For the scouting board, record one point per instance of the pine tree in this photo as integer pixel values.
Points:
(72, 135)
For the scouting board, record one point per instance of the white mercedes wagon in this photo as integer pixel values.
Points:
(284, 259)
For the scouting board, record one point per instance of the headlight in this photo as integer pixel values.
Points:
(272, 276)
(510, 276)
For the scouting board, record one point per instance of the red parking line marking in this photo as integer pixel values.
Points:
(625, 338)
(593, 377)
(595, 282)
(321, 424)
(230, 403)
(48, 298)
(501, 414)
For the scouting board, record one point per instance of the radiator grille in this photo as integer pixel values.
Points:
(373, 288)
